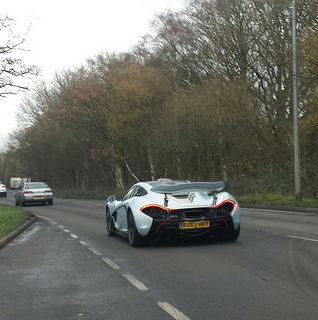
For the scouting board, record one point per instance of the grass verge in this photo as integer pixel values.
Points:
(12, 218)
(276, 199)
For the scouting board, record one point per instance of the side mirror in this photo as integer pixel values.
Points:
(111, 198)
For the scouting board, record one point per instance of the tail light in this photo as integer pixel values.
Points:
(50, 191)
(27, 192)
(225, 208)
(156, 211)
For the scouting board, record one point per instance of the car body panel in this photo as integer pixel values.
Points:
(160, 207)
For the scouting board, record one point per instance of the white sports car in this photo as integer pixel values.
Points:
(167, 208)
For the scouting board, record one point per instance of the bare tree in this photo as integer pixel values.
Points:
(12, 69)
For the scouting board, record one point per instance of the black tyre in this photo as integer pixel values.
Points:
(133, 235)
(221, 234)
(21, 202)
(50, 202)
(110, 224)
(234, 234)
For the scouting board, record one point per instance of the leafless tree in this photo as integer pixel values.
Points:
(12, 69)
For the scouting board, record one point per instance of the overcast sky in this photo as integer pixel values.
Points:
(64, 33)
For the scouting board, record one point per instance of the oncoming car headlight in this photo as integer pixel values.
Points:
(155, 211)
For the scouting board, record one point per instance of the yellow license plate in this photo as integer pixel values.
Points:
(194, 224)
(38, 197)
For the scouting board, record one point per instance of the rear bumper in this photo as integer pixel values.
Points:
(161, 228)
(39, 200)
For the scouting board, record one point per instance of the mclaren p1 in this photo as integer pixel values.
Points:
(168, 208)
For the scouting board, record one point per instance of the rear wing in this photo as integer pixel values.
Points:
(189, 187)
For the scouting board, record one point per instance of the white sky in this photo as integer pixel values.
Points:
(64, 33)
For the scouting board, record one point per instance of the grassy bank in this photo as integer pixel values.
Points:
(12, 218)
(276, 199)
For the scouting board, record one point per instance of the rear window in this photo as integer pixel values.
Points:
(37, 185)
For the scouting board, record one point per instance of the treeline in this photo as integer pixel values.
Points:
(207, 96)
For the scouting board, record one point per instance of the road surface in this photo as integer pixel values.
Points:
(66, 267)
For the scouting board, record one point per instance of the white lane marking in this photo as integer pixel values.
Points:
(74, 236)
(95, 251)
(175, 313)
(60, 226)
(111, 263)
(139, 285)
(46, 218)
(83, 243)
(68, 231)
(302, 238)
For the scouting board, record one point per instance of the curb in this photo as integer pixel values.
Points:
(11, 236)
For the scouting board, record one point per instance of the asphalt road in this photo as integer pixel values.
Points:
(66, 267)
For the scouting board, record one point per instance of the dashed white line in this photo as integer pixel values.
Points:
(95, 251)
(175, 313)
(111, 263)
(166, 306)
(302, 238)
(139, 285)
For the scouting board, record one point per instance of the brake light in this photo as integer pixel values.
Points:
(156, 211)
(27, 192)
(226, 207)
(48, 191)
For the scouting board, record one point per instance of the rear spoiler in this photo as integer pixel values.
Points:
(189, 187)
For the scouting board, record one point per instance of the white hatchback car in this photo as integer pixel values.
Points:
(3, 190)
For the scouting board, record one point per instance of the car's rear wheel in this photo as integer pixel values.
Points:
(22, 203)
(133, 235)
(222, 234)
(110, 224)
(234, 234)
